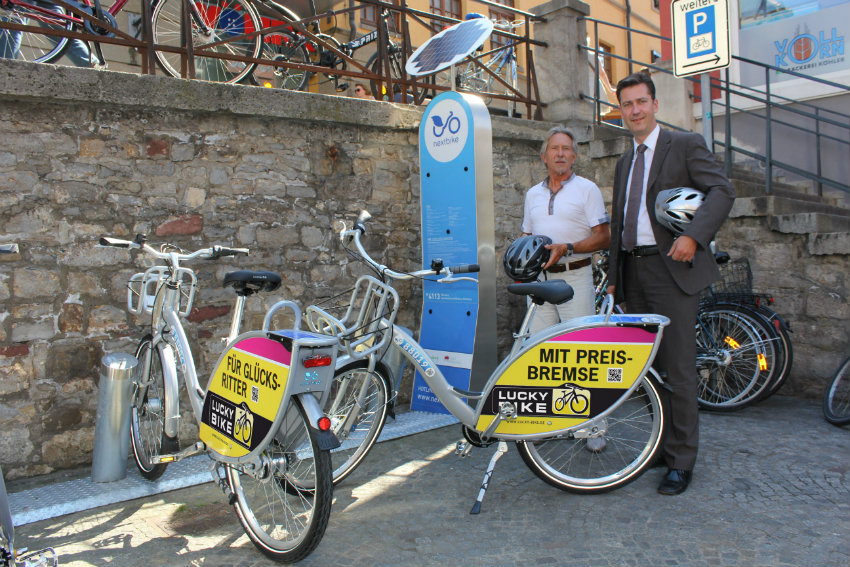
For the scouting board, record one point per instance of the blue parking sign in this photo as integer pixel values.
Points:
(700, 32)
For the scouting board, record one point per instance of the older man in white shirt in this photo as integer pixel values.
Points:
(568, 209)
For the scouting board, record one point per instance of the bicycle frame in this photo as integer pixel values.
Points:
(606, 355)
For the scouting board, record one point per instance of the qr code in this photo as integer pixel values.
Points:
(615, 375)
(255, 394)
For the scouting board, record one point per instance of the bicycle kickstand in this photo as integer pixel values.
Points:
(501, 449)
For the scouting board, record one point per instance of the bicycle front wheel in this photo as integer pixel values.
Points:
(623, 447)
(357, 407)
(29, 46)
(147, 414)
(284, 506)
(836, 401)
(213, 21)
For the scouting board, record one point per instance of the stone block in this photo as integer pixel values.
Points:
(68, 448)
(71, 318)
(183, 225)
(30, 283)
(107, 319)
(827, 304)
(829, 243)
(72, 360)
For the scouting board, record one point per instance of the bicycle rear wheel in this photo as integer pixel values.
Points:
(147, 417)
(283, 46)
(357, 407)
(28, 46)
(732, 363)
(631, 436)
(836, 401)
(379, 88)
(212, 21)
(284, 507)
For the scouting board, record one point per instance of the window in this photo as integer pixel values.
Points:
(448, 8)
(497, 15)
(369, 16)
(607, 60)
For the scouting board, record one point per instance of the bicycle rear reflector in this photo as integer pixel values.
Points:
(316, 361)
(324, 423)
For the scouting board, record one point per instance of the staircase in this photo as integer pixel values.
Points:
(789, 209)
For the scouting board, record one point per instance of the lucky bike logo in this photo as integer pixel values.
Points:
(420, 358)
(807, 50)
(569, 399)
(446, 130)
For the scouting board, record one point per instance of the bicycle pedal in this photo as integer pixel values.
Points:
(463, 448)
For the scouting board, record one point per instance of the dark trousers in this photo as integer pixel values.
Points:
(648, 288)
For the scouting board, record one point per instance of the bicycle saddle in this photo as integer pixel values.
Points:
(552, 291)
(246, 282)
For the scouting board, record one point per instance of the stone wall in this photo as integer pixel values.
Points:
(193, 164)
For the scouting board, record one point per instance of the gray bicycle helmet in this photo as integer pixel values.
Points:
(525, 258)
(675, 208)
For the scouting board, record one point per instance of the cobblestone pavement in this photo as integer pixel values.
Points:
(771, 488)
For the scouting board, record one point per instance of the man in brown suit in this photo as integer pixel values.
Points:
(655, 271)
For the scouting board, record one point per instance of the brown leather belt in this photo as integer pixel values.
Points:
(558, 268)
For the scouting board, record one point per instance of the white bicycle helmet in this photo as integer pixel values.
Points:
(525, 258)
(675, 208)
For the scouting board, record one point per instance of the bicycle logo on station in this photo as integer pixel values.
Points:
(452, 123)
(569, 399)
(446, 130)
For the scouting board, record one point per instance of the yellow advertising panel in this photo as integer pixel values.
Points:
(244, 395)
(568, 379)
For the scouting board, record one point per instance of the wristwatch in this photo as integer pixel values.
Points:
(569, 248)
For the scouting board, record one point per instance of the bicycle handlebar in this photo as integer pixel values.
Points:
(212, 252)
(347, 235)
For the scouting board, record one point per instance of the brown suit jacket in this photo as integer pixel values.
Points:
(681, 159)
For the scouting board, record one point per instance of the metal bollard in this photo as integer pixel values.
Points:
(112, 428)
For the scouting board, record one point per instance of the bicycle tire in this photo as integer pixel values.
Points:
(35, 47)
(284, 508)
(379, 89)
(369, 421)
(286, 47)
(776, 331)
(729, 345)
(223, 18)
(786, 347)
(147, 414)
(633, 433)
(836, 400)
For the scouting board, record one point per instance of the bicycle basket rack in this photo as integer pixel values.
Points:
(735, 283)
(366, 326)
(143, 287)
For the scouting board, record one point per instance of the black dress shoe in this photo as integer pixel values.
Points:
(675, 482)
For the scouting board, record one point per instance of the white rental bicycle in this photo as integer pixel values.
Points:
(582, 380)
(260, 416)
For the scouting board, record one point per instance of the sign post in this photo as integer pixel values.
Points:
(701, 45)
(700, 36)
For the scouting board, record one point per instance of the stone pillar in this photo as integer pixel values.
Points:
(563, 72)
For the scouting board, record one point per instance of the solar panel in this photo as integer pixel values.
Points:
(449, 46)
